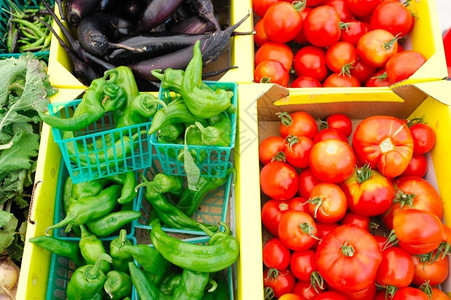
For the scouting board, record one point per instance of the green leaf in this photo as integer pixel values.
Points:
(8, 225)
(18, 156)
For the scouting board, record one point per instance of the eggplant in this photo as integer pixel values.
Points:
(205, 10)
(151, 46)
(78, 9)
(156, 13)
(133, 9)
(192, 25)
(211, 48)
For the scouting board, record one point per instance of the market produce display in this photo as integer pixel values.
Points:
(336, 43)
(344, 217)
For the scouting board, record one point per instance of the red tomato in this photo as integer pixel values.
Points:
(325, 228)
(306, 290)
(330, 295)
(341, 56)
(297, 152)
(438, 295)
(362, 8)
(385, 143)
(357, 220)
(382, 241)
(304, 82)
(353, 30)
(312, 3)
(418, 231)
(297, 230)
(311, 61)
(364, 294)
(368, 192)
(433, 271)
(307, 181)
(423, 138)
(337, 80)
(402, 65)
(414, 192)
(362, 71)
(340, 122)
(348, 258)
(279, 180)
(261, 6)
(418, 166)
(379, 79)
(302, 264)
(290, 296)
(275, 51)
(298, 124)
(300, 38)
(322, 26)
(410, 293)
(392, 16)
(396, 268)
(447, 45)
(269, 147)
(343, 12)
(260, 36)
(329, 134)
(281, 282)
(327, 203)
(282, 22)
(271, 71)
(376, 46)
(275, 254)
(332, 161)
(273, 210)
(380, 295)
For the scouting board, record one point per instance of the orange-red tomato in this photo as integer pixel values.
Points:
(327, 203)
(271, 71)
(376, 46)
(275, 51)
(436, 272)
(341, 80)
(297, 230)
(402, 65)
(341, 56)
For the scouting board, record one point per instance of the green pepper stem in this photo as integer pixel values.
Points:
(214, 285)
(60, 224)
(123, 236)
(93, 273)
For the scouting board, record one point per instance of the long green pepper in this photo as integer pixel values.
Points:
(145, 288)
(120, 257)
(91, 248)
(109, 224)
(118, 285)
(68, 249)
(192, 285)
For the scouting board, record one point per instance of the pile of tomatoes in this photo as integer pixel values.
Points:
(333, 43)
(348, 214)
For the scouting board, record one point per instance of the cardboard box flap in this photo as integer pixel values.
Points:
(439, 90)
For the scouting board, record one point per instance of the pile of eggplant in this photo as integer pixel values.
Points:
(142, 34)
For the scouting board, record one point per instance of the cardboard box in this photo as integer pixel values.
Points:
(257, 120)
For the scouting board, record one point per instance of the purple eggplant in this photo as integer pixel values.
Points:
(78, 9)
(205, 10)
(192, 25)
(156, 13)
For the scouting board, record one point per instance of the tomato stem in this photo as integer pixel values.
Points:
(347, 250)
(269, 293)
(291, 141)
(388, 45)
(426, 288)
(346, 69)
(381, 76)
(364, 173)
(404, 199)
(317, 281)
(306, 228)
(280, 156)
(317, 201)
(285, 118)
(299, 5)
(414, 121)
(272, 274)
(391, 240)
(265, 79)
(323, 124)
(390, 291)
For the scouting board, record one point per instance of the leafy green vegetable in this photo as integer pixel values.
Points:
(8, 225)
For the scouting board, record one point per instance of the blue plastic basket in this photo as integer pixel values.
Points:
(61, 270)
(85, 153)
(214, 208)
(59, 214)
(217, 158)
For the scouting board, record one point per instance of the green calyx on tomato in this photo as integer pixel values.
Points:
(389, 45)
(392, 240)
(404, 199)
(291, 140)
(317, 281)
(317, 201)
(307, 229)
(269, 293)
(347, 250)
(285, 118)
(364, 173)
(280, 156)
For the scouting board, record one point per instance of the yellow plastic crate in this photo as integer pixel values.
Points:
(239, 53)
(256, 116)
(425, 38)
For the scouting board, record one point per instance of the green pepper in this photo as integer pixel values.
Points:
(91, 248)
(118, 285)
(192, 285)
(120, 257)
(170, 132)
(90, 208)
(171, 79)
(220, 293)
(221, 251)
(67, 193)
(128, 192)
(84, 189)
(87, 281)
(108, 224)
(201, 102)
(140, 110)
(171, 282)
(145, 288)
(68, 249)
(193, 136)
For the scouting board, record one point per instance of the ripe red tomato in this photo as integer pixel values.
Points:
(332, 161)
(313, 3)
(343, 11)
(362, 8)
(302, 264)
(260, 36)
(418, 232)
(298, 123)
(341, 56)
(376, 46)
(396, 268)
(368, 192)
(307, 181)
(273, 210)
(327, 203)
(281, 281)
(340, 122)
(269, 147)
(275, 51)
(384, 142)
(300, 38)
(275, 254)
(311, 61)
(290, 296)
(402, 65)
(392, 16)
(305, 81)
(327, 134)
(306, 290)
(271, 71)
(348, 258)
(282, 22)
(447, 44)
(357, 220)
(353, 30)
(379, 79)
(279, 180)
(410, 293)
(427, 269)
(341, 80)
(297, 151)
(330, 295)
(261, 6)
(362, 71)
(322, 26)
(418, 166)
(364, 294)
(297, 230)
(423, 138)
